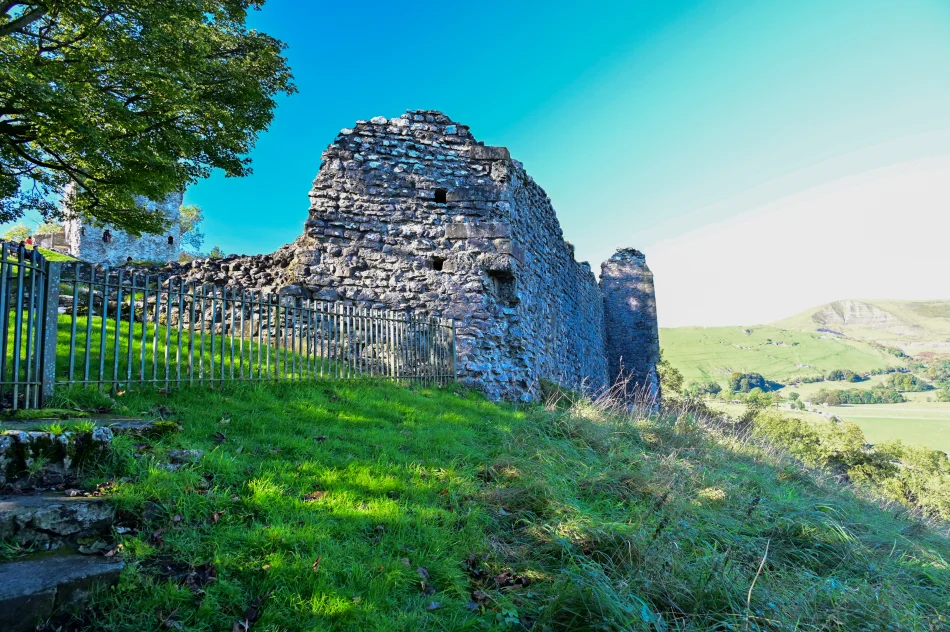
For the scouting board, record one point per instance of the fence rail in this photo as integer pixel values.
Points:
(116, 330)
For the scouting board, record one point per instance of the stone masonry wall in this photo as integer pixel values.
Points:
(414, 213)
(633, 344)
(109, 246)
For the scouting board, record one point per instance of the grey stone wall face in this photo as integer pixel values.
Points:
(633, 343)
(86, 241)
(412, 213)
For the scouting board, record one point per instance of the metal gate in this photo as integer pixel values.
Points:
(29, 293)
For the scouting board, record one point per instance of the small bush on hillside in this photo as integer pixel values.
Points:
(844, 375)
(907, 382)
(745, 382)
(698, 389)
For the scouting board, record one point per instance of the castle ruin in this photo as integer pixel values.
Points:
(414, 213)
(110, 246)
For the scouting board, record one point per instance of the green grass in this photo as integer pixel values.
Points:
(259, 360)
(365, 506)
(712, 353)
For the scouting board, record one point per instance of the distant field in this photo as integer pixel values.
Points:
(712, 353)
(914, 422)
(917, 422)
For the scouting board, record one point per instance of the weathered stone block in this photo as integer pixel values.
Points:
(484, 152)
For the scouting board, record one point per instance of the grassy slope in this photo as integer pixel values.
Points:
(712, 353)
(618, 523)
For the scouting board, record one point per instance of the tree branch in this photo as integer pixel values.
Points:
(24, 20)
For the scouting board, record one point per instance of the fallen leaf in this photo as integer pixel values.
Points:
(316, 564)
(314, 495)
(251, 615)
(216, 515)
(405, 561)
(220, 437)
(321, 438)
(433, 605)
(423, 572)
(177, 518)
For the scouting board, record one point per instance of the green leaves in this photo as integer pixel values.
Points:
(129, 99)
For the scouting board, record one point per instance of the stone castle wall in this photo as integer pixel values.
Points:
(109, 246)
(414, 213)
(633, 344)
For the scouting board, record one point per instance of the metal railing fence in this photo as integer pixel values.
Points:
(25, 347)
(88, 325)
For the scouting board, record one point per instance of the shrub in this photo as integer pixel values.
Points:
(907, 382)
(745, 382)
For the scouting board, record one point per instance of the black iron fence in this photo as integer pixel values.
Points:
(88, 325)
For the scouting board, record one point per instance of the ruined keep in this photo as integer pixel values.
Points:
(109, 246)
(632, 338)
(414, 213)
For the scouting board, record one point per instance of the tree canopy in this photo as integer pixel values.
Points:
(128, 98)
(190, 218)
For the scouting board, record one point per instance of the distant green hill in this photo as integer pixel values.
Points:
(712, 353)
(847, 334)
(917, 327)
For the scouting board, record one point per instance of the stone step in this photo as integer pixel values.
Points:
(51, 520)
(48, 458)
(32, 589)
(132, 425)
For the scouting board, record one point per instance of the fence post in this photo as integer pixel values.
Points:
(455, 375)
(54, 271)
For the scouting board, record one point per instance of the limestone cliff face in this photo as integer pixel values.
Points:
(632, 336)
(864, 315)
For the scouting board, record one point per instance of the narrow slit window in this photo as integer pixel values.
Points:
(171, 240)
(441, 196)
(107, 237)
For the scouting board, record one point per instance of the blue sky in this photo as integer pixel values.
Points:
(644, 121)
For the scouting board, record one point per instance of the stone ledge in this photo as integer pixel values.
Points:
(484, 152)
(32, 589)
(47, 519)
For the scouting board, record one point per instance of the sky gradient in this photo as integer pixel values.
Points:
(668, 126)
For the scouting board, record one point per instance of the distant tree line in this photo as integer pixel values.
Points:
(837, 397)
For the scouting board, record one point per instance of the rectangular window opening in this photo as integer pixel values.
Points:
(503, 287)
(441, 196)
(437, 263)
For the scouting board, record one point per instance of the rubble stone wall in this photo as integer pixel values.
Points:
(412, 213)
